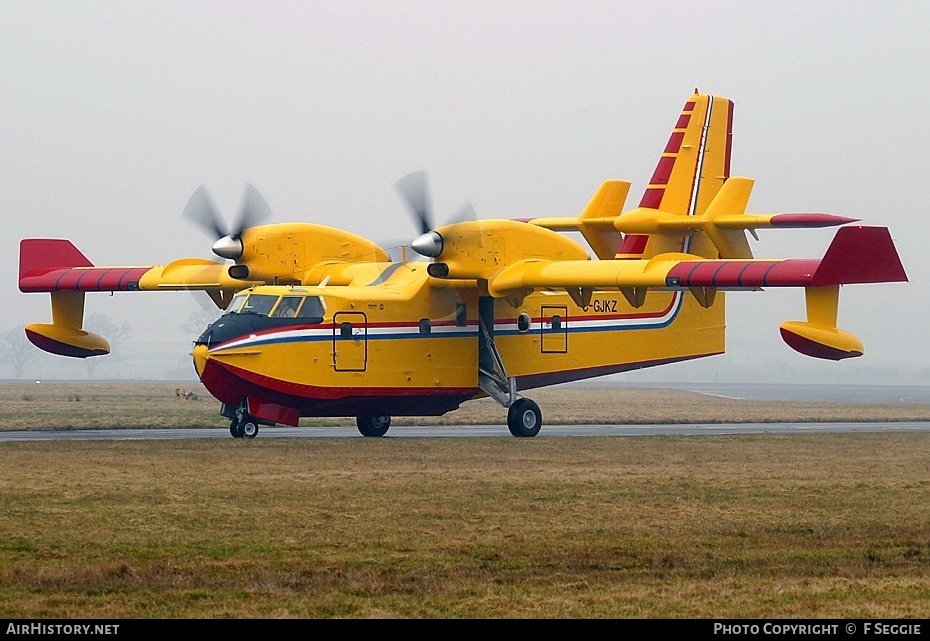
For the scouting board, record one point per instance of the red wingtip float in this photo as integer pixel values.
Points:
(321, 322)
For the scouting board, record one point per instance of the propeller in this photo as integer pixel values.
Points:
(201, 210)
(415, 190)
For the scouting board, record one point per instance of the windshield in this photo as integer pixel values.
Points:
(236, 303)
(260, 304)
(277, 306)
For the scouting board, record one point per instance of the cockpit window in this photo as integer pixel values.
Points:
(287, 308)
(236, 303)
(312, 308)
(277, 306)
(260, 304)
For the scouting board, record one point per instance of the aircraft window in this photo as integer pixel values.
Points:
(425, 326)
(236, 303)
(461, 315)
(312, 308)
(260, 304)
(345, 330)
(523, 322)
(287, 308)
(556, 322)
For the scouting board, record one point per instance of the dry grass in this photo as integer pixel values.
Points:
(644, 527)
(808, 526)
(88, 405)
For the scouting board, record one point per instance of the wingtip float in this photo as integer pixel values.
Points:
(321, 322)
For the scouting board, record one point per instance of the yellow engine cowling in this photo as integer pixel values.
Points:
(281, 253)
(480, 249)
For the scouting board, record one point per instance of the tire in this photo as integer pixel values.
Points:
(235, 429)
(524, 418)
(373, 426)
(249, 428)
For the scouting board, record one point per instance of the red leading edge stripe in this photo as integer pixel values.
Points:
(83, 279)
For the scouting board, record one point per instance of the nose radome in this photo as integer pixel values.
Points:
(200, 355)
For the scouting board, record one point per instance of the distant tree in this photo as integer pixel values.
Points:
(116, 335)
(198, 320)
(16, 350)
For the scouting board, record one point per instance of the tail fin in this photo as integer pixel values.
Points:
(693, 167)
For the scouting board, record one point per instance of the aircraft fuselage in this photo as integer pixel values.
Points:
(403, 345)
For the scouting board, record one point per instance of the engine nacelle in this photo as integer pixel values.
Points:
(281, 253)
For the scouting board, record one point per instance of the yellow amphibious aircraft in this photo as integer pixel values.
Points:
(321, 322)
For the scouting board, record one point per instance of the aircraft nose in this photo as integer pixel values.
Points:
(200, 355)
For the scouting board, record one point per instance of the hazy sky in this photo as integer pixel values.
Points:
(112, 113)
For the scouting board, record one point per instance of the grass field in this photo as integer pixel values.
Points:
(88, 405)
(830, 525)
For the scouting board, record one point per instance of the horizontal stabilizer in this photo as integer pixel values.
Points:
(596, 222)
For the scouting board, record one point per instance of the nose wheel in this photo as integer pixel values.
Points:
(246, 427)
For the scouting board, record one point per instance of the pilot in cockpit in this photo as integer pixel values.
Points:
(287, 308)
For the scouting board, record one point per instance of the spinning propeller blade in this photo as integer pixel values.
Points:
(253, 210)
(201, 211)
(413, 187)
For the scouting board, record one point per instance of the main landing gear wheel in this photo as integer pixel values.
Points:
(235, 428)
(524, 418)
(373, 425)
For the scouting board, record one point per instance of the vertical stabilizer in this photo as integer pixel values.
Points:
(693, 166)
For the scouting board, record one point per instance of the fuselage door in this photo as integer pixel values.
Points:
(553, 327)
(350, 341)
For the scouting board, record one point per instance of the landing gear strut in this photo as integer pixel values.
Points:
(523, 415)
(373, 425)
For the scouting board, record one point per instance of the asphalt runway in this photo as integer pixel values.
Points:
(471, 431)
(919, 394)
(914, 394)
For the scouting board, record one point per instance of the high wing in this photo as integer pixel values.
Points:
(284, 253)
(856, 255)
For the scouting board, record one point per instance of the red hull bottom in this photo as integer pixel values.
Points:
(231, 385)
